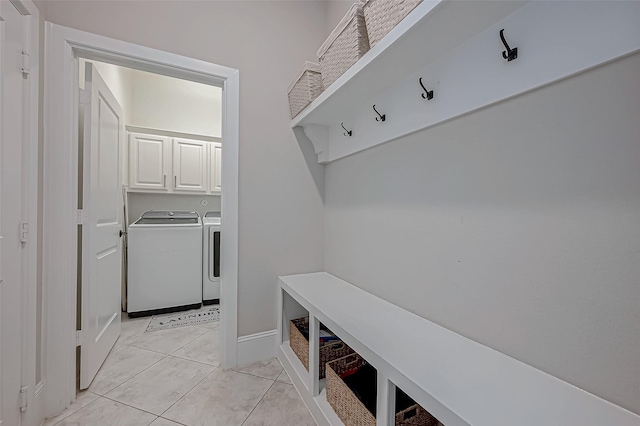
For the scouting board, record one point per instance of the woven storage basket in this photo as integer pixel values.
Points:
(347, 406)
(416, 416)
(382, 16)
(346, 44)
(306, 87)
(300, 346)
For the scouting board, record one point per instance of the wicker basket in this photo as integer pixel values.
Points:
(382, 16)
(346, 44)
(306, 87)
(416, 416)
(347, 406)
(300, 346)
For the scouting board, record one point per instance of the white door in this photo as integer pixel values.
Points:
(101, 234)
(189, 165)
(215, 175)
(20, 399)
(149, 161)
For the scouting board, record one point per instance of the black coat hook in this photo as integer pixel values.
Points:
(381, 117)
(510, 54)
(428, 95)
(348, 132)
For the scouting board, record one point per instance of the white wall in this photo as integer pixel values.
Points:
(517, 226)
(281, 207)
(166, 103)
(336, 9)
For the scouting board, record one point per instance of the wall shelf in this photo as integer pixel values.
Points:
(455, 48)
(459, 381)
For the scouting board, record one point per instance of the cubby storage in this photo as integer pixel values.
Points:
(457, 381)
(351, 390)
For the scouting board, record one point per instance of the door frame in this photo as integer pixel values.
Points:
(63, 47)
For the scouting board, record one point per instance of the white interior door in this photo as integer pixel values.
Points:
(101, 118)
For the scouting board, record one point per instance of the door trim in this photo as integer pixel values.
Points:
(63, 47)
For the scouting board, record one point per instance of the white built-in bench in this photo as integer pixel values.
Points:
(459, 381)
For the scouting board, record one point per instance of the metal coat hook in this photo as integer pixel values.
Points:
(348, 132)
(381, 117)
(428, 95)
(510, 54)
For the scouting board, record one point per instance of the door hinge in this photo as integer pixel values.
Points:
(25, 64)
(80, 337)
(82, 217)
(24, 232)
(24, 398)
(84, 97)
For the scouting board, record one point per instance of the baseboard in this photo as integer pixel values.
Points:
(257, 347)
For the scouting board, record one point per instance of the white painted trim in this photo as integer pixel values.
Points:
(63, 46)
(257, 347)
(556, 40)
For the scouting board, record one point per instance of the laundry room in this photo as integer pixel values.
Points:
(170, 169)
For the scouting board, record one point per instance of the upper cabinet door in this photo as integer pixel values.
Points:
(149, 161)
(215, 174)
(189, 165)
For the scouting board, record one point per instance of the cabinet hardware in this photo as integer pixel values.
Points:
(175, 181)
(428, 95)
(164, 181)
(348, 132)
(381, 117)
(509, 54)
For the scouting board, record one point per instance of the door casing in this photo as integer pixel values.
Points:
(63, 48)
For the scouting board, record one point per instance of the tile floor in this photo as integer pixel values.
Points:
(172, 378)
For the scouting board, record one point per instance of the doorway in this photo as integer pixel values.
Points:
(65, 47)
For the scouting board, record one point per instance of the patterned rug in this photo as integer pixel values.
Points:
(183, 319)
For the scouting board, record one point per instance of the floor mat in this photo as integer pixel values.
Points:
(183, 319)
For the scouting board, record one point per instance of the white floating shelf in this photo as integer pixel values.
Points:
(455, 47)
(459, 381)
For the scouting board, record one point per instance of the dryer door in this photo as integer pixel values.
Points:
(214, 254)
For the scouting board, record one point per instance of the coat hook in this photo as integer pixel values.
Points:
(381, 117)
(510, 54)
(428, 95)
(348, 132)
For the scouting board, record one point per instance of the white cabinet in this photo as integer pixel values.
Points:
(215, 160)
(149, 162)
(190, 165)
(174, 165)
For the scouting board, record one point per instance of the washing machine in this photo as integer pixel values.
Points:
(211, 224)
(164, 262)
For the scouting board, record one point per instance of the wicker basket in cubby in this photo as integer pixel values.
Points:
(345, 46)
(300, 346)
(344, 402)
(416, 416)
(382, 16)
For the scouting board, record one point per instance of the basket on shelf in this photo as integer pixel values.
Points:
(328, 350)
(382, 16)
(305, 88)
(345, 46)
(416, 416)
(344, 402)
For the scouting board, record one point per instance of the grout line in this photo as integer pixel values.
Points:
(187, 392)
(135, 375)
(74, 412)
(193, 360)
(131, 406)
(256, 406)
(253, 375)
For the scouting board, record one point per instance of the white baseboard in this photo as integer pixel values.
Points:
(257, 347)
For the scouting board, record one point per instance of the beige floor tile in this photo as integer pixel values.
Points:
(105, 412)
(165, 341)
(164, 422)
(281, 406)
(211, 325)
(157, 388)
(269, 369)
(224, 398)
(205, 348)
(284, 378)
(82, 399)
(122, 364)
